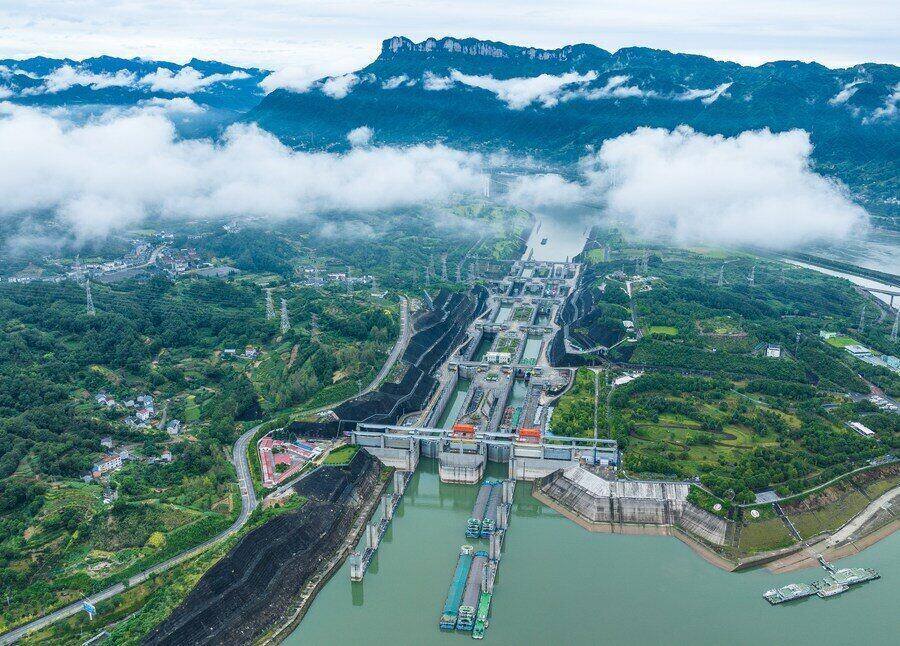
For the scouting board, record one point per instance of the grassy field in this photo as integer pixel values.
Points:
(341, 457)
(841, 341)
(664, 330)
(764, 535)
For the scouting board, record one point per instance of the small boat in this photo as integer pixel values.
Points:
(544, 241)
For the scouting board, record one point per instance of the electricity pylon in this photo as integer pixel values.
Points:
(285, 321)
(90, 299)
(270, 305)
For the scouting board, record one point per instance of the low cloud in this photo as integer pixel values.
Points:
(187, 80)
(112, 173)
(178, 105)
(847, 91)
(520, 92)
(435, 83)
(706, 96)
(394, 82)
(361, 136)
(616, 87)
(337, 87)
(756, 188)
(66, 76)
(889, 109)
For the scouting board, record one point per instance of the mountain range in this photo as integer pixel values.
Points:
(111, 81)
(547, 105)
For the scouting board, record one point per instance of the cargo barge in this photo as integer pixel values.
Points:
(457, 588)
(489, 522)
(469, 605)
(473, 526)
(481, 616)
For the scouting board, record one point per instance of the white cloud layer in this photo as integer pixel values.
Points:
(66, 76)
(361, 136)
(889, 109)
(179, 105)
(520, 92)
(706, 96)
(187, 80)
(337, 87)
(753, 189)
(431, 81)
(112, 173)
(847, 91)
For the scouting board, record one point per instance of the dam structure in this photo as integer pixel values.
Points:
(630, 506)
(359, 561)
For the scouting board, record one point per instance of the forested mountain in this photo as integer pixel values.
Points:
(555, 105)
(111, 81)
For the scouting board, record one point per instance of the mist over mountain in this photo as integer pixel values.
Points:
(200, 93)
(556, 106)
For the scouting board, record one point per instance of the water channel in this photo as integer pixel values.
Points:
(451, 410)
(559, 582)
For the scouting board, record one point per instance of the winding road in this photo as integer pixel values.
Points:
(248, 504)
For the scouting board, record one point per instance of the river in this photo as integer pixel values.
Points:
(558, 581)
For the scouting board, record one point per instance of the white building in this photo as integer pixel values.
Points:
(865, 431)
(108, 464)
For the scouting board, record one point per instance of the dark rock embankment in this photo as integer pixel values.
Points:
(438, 332)
(253, 588)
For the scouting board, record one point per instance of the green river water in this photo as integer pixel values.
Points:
(559, 583)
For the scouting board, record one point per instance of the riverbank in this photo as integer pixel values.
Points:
(850, 539)
(321, 578)
(699, 548)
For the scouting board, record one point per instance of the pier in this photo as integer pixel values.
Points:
(838, 581)
(359, 562)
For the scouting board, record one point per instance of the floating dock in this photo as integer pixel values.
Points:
(457, 588)
(473, 526)
(472, 595)
(840, 581)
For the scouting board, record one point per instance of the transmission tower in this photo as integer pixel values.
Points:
(90, 299)
(315, 325)
(645, 261)
(721, 275)
(782, 276)
(444, 267)
(270, 305)
(896, 327)
(862, 318)
(285, 321)
(78, 270)
(751, 279)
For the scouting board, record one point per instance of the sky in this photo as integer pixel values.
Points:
(333, 37)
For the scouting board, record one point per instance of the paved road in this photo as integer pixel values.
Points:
(248, 504)
(885, 501)
(397, 350)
